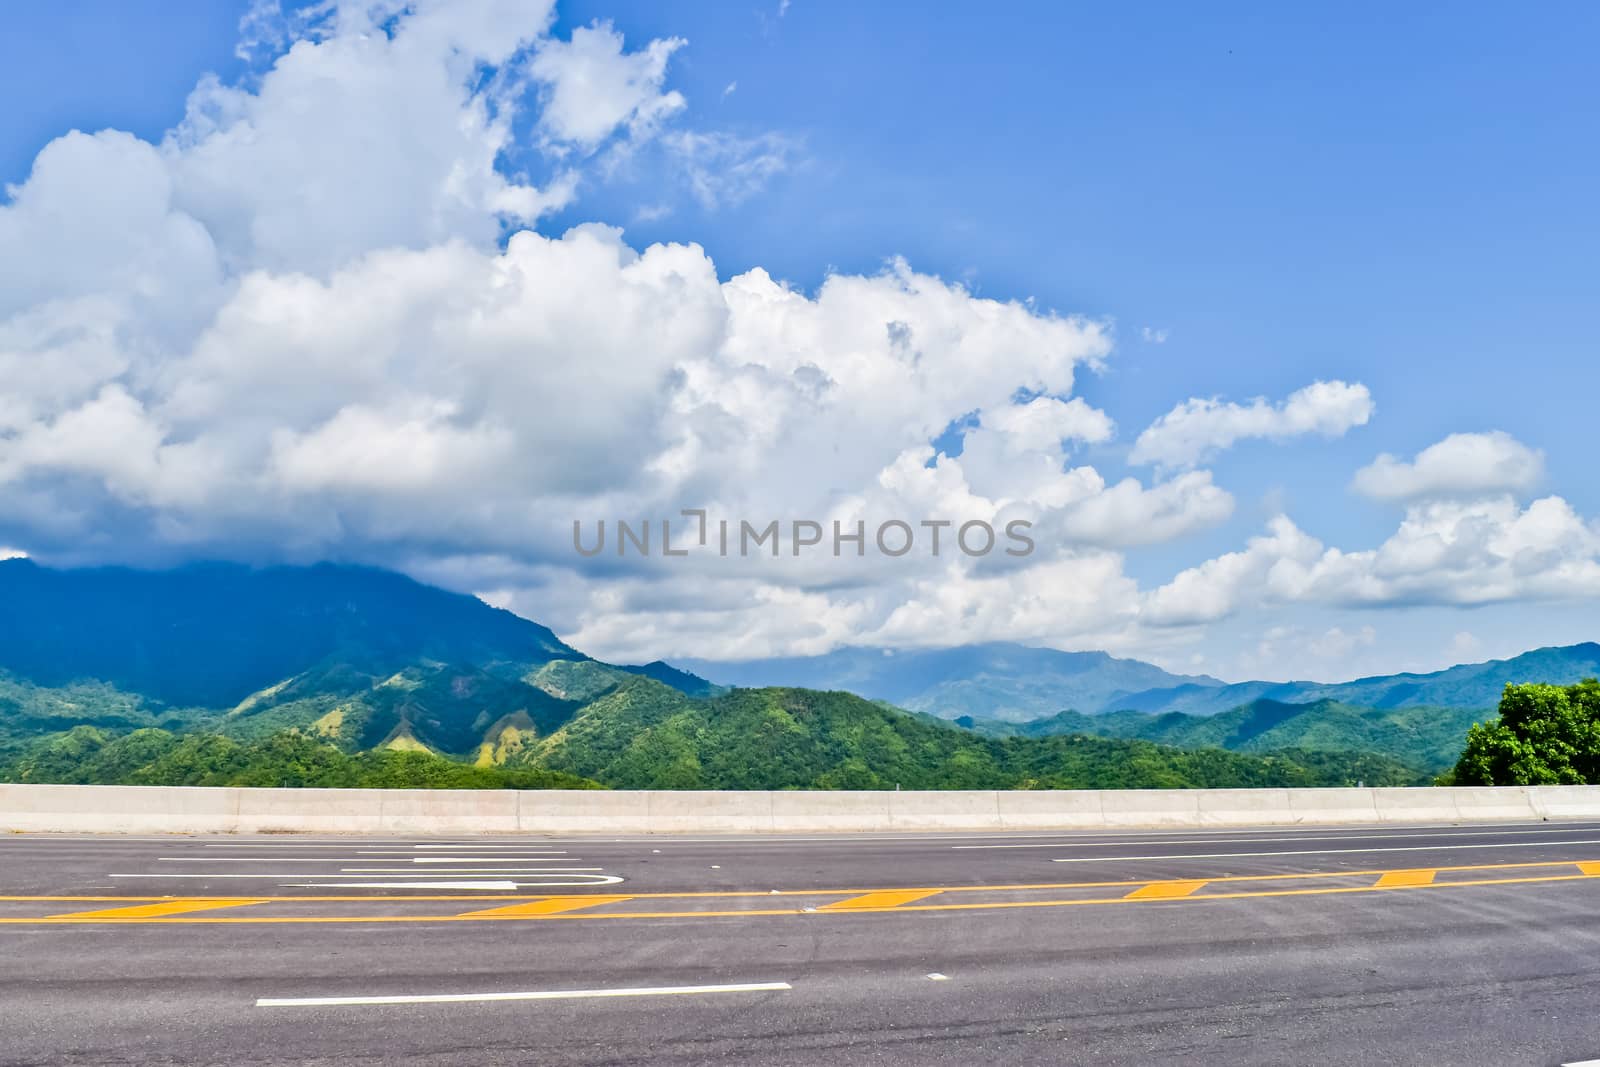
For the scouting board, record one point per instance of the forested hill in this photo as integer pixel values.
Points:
(645, 735)
(360, 661)
(1423, 737)
(640, 734)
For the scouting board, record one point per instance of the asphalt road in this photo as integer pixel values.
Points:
(1386, 945)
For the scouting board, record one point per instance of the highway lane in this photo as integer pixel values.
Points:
(1444, 944)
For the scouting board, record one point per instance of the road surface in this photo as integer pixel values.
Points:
(1466, 944)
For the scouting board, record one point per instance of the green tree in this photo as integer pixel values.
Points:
(1546, 735)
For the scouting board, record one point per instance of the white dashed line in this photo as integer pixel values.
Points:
(550, 994)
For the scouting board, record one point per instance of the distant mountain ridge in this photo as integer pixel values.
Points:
(1466, 685)
(1016, 683)
(1428, 738)
(998, 680)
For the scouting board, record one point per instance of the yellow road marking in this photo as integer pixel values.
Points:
(1404, 879)
(1164, 890)
(874, 901)
(735, 913)
(1589, 867)
(155, 911)
(547, 906)
(172, 910)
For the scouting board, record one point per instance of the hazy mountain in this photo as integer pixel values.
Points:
(1013, 683)
(1429, 738)
(1468, 685)
(212, 634)
(998, 681)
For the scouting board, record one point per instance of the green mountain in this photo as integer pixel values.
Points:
(644, 735)
(339, 675)
(1467, 685)
(1013, 683)
(366, 659)
(1424, 737)
(86, 755)
(638, 733)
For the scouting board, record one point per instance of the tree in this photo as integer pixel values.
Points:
(1546, 735)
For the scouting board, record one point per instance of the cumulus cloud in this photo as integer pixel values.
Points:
(1463, 464)
(592, 86)
(1197, 429)
(1444, 552)
(370, 132)
(293, 329)
(320, 318)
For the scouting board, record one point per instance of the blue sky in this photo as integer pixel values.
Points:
(1402, 198)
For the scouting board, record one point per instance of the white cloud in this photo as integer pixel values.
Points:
(1127, 514)
(1444, 552)
(1198, 428)
(1046, 421)
(592, 86)
(1220, 586)
(1153, 335)
(205, 365)
(361, 137)
(296, 328)
(725, 169)
(1463, 464)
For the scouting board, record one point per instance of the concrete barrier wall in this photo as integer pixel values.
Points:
(160, 809)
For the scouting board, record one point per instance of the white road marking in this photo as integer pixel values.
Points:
(937, 977)
(413, 852)
(1315, 852)
(254, 859)
(285, 845)
(586, 880)
(1253, 840)
(589, 879)
(466, 870)
(453, 847)
(402, 885)
(548, 994)
(1582, 1063)
(484, 859)
(276, 874)
(347, 859)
